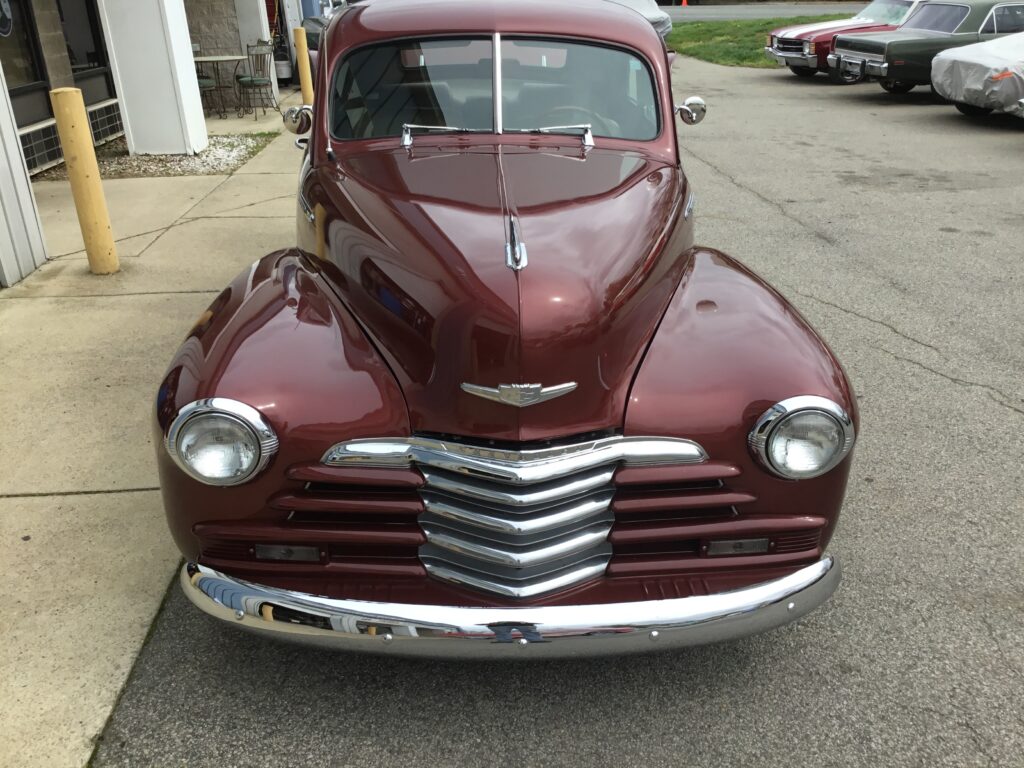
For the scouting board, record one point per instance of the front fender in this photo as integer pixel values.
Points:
(278, 339)
(728, 348)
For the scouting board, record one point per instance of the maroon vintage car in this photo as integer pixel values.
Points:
(497, 400)
(804, 48)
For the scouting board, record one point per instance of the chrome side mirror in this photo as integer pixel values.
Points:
(299, 120)
(692, 111)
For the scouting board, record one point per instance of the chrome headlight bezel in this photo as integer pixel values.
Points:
(243, 414)
(770, 421)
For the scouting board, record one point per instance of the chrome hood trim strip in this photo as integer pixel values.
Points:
(511, 466)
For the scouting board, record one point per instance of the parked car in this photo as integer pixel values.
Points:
(983, 77)
(902, 59)
(497, 401)
(315, 27)
(651, 11)
(805, 48)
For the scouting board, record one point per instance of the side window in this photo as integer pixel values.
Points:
(1009, 19)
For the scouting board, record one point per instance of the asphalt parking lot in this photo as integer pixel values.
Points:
(895, 225)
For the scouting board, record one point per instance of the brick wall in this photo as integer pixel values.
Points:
(214, 25)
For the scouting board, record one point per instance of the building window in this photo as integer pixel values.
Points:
(18, 53)
(82, 33)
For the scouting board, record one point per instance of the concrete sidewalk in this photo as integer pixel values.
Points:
(87, 555)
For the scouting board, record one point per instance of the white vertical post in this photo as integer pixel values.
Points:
(22, 247)
(150, 55)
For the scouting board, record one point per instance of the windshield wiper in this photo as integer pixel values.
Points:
(587, 135)
(408, 128)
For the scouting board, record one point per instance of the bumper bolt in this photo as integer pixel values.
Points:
(791, 606)
(239, 614)
(655, 634)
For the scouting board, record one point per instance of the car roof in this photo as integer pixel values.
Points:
(380, 20)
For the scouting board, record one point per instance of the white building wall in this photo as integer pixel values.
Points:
(151, 59)
(22, 247)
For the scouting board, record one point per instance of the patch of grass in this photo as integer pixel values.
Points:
(733, 43)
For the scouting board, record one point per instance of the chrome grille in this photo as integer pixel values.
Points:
(789, 46)
(516, 523)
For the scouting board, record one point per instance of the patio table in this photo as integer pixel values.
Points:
(220, 86)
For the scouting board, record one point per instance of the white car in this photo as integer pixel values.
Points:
(983, 77)
(651, 11)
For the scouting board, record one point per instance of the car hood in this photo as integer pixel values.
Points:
(421, 255)
(877, 42)
(826, 29)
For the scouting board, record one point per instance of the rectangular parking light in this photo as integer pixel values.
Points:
(287, 552)
(737, 547)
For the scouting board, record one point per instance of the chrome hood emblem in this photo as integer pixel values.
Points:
(520, 395)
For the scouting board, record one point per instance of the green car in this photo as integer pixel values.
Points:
(902, 58)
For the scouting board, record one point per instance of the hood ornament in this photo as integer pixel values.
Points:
(515, 249)
(519, 395)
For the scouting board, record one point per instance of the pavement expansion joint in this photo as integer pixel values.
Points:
(45, 494)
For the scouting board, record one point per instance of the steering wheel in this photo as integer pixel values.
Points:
(598, 124)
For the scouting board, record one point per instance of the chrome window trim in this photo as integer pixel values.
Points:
(992, 14)
(956, 29)
(244, 414)
(496, 39)
(498, 95)
(769, 421)
(517, 467)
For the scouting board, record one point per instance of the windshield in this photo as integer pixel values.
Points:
(379, 89)
(449, 84)
(551, 83)
(886, 11)
(937, 18)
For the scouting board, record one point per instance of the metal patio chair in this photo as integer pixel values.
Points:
(256, 87)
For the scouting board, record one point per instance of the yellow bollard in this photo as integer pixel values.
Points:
(302, 60)
(84, 175)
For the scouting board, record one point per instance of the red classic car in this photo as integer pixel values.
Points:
(497, 401)
(805, 48)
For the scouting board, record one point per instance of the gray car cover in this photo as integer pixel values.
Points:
(989, 74)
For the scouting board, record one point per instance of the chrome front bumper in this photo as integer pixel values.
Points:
(530, 632)
(791, 58)
(857, 65)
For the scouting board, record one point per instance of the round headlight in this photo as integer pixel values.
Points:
(220, 441)
(802, 437)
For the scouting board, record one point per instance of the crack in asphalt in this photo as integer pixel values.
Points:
(45, 494)
(882, 323)
(824, 237)
(995, 641)
(964, 721)
(996, 395)
(161, 230)
(203, 198)
(249, 205)
(111, 295)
